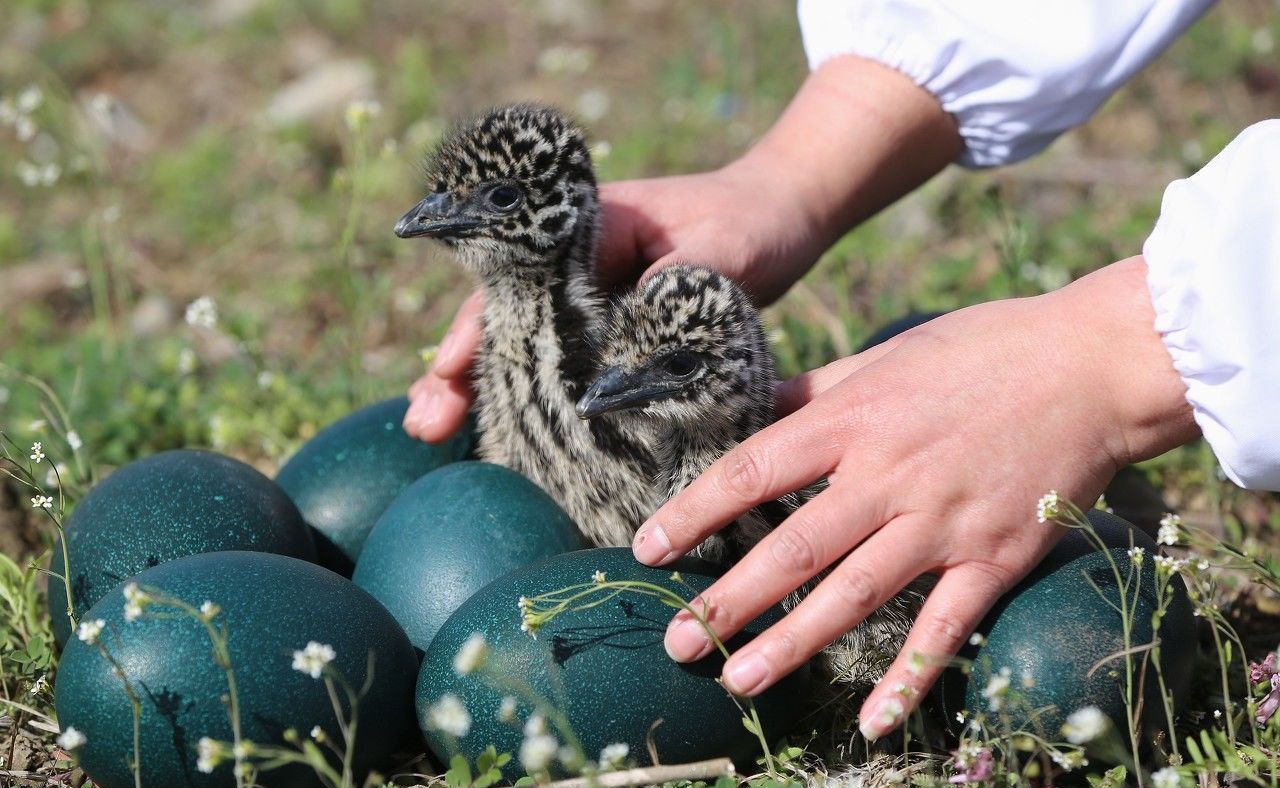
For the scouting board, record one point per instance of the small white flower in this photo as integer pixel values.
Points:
(471, 656)
(614, 756)
(208, 754)
(597, 577)
(241, 770)
(359, 113)
(209, 610)
(1217, 714)
(202, 313)
(41, 502)
(450, 716)
(317, 733)
(30, 99)
(26, 129)
(536, 752)
(36, 425)
(71, 739)
(265, 379)
(312, 659)
(55, 473)
(1049, 507)
(536, 725)
(976, 639)
(89, 631)
(186, 361)
(996, 688)
(41, 684)
(1085, 724)
(890, 711)
(1070, 760)
(37, 452)
(135, 600)
(1136, 554)
(242, 750)
(1167, 534)
(507, 709)
(1166, 564)
(73, 440)
(1167, 777)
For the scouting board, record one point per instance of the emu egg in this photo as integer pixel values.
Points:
(1054, 627)
(271, 606)
(603, 667)
(167, 506)
(449, 534)
(346, 476)
(892, 329)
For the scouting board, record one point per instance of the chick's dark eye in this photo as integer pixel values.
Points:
(681, 364)
(504, 197)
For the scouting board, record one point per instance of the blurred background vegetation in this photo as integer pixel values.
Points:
(257, 152)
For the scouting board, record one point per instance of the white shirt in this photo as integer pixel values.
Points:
(1017, 74)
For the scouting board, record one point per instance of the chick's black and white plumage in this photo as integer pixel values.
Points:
(513, 194)
(686, 357)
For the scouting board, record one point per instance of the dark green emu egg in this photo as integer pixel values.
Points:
(272, 606)
(450, 533)
(604, 667)
(1057, 630)
(167, 506)
(346, 476)
(896, 327)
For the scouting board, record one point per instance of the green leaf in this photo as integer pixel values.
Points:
(525, 782)
(459, 774)
(750, 726)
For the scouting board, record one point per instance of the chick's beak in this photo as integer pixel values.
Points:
(618, 389)
(436, 216)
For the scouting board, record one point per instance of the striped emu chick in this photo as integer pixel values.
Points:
(513, 194)
(685, 356)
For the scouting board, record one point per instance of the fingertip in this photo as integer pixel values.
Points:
(651, 546)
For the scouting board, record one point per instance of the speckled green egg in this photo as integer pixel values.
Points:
(893, 328)
(1054, 628)
(452, 532)
(603, 667)
(345, 477)
(166, 506)
(271, 606)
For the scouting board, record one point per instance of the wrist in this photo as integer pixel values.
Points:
(857, 136)
(1112, 325)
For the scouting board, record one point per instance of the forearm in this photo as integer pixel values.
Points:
(857, 136)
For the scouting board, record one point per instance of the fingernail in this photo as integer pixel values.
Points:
(686, 640)
(445, 353)
(886, 717)
(651, 545)
(744, 674)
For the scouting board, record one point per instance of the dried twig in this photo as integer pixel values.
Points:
(652, 775)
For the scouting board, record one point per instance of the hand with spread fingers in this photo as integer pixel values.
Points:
(937, 445)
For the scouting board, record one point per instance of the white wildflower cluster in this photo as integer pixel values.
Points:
(37, 452)
(318, 734)
(1169, 531)
(539, 747)
(997, 688)
(614, 756)
(528, 623)
(209, 753)
(41, 502)
(449, 716)
(1137, 554)
(313, 658)
(33, 175)
(1068, 761)
(507, 709)
(74, 441)
(1167, 777)
(56, 472)
(90, 631)
(41, 684)
(1168, 565)
(16, 112)
(202, 313)
(471, 656)
(71, 738)
(1049, 507)
(135, 601)
(1085, 724)
(597, 577)
(359, 113)
(209, 610)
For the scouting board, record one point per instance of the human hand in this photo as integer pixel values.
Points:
(937, 445)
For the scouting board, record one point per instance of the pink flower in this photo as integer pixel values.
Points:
(1270, 703)
(976, 763)
(1260, 671)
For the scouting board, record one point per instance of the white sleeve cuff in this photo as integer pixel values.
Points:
(1213, 264)
(1014, 74)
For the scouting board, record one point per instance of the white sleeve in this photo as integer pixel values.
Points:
(1213, 264)
(1015, 74)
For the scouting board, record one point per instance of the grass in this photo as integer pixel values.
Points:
(175, 179)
